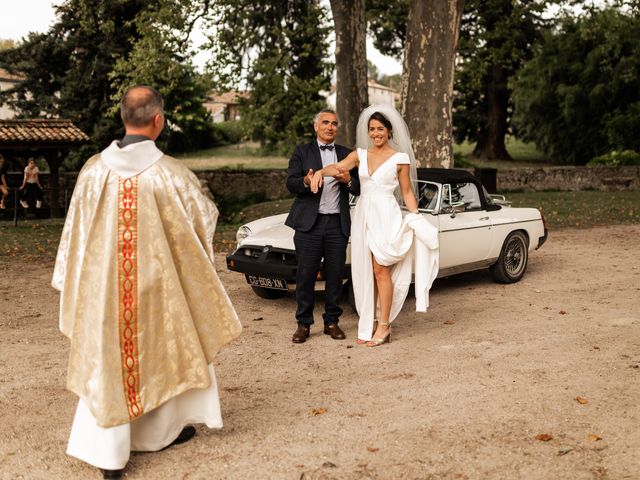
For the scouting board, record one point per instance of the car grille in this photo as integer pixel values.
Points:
(269, 254)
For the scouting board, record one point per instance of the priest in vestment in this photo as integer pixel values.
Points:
(140, 300)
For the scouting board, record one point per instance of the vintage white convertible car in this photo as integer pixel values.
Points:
(477, 231)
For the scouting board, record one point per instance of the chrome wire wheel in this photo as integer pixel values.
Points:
(513, 258)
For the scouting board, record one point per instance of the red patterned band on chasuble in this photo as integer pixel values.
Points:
(127, 292)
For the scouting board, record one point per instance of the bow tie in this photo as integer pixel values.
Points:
(326, 147)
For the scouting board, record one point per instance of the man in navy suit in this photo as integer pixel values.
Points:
(322, 224)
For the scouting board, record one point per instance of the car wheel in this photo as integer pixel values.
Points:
(269, 293)
(513, 258)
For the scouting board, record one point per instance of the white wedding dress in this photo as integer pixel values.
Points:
(377, 228)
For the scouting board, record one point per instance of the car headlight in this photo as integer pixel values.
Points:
(242, 233)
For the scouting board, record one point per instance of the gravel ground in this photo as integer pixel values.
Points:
(462, 392)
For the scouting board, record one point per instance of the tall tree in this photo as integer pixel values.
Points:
(579, 96)
(351, 65)
(161, 56)
(428, 69)
(95, 48)
(496, 39)
(387, 21)
(278, 50)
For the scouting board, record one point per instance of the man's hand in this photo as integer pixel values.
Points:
(308, 177)
(317, 181)
(343, 176)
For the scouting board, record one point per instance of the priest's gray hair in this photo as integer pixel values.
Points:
(139, 105)
(324, 110)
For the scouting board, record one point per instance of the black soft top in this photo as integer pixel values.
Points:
(446, 175)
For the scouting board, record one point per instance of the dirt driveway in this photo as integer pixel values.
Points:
(462, 392)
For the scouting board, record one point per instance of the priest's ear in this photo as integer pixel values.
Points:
(158, 124)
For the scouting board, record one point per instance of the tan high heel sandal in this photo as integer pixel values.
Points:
(362, 342)
(376, 342)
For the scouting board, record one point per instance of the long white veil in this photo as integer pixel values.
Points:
(400, 142)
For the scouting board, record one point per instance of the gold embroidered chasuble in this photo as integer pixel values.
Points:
(140, 299)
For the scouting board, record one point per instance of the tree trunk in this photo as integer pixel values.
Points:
(351, 66)
(427, 78)
(490, 145)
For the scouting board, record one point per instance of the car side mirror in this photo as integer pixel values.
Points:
(448, 205)
(452, 208)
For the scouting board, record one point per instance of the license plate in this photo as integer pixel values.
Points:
(267, 282)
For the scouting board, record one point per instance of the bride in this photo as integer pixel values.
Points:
(381, 239)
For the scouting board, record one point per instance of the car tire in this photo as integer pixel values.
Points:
(513, 259)
(268, 293)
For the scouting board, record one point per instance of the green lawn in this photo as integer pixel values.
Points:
(582, 209)
(523, 154)
(242, 156)
(37, 240)
(247, 156)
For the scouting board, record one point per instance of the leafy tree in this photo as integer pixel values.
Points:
(496, 39)
(161, 57)
(579, 96)
(277, 50)
(67, 68)
(96, 48)
(387, 21)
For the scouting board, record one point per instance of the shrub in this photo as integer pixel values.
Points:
(615, 158)
(229, 132)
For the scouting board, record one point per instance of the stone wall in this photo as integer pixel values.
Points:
(608, 179)
(271, 183)
(241, 184)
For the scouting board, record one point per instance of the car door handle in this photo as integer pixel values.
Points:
(483, 218)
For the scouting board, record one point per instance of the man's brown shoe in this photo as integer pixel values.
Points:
(334, 330)
(301, 334)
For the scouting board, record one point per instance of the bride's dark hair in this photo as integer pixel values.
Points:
(383, 120)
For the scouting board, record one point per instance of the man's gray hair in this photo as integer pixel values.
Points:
(324, 110)
(139, 105)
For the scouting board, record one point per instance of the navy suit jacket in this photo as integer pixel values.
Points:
(304, 210)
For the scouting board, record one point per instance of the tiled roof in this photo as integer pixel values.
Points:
(41, 130)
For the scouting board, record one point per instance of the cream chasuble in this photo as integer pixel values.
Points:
(140, 299)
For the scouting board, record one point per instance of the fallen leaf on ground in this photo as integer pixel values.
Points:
(544, 437)
(593, 438)
(449, 322)
(318, 411)
(582, 400)
(373, 449)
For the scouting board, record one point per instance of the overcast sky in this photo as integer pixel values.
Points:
(19, 17)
